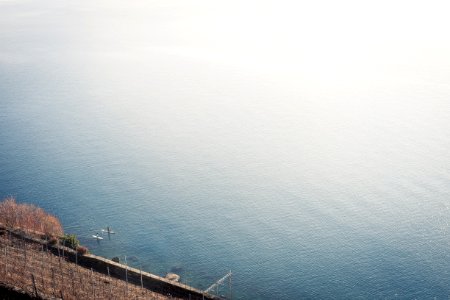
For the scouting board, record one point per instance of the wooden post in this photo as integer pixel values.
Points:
(62, 272)
(53, 281)
(6, 260)
(42, 260)
(110, 284)
(126, 275)
(24, 251)
(92, 281)
(34, 286)
(142, 284)
(42, 266)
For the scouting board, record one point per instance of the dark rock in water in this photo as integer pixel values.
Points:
(116, 259)
(173, 277)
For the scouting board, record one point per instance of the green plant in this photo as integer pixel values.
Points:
(70, 240)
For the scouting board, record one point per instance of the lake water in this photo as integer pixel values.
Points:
(306, 175)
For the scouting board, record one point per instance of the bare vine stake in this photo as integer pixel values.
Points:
(73, 284)
(140, 270)
(6, 260)
(126, 275)
(62, 272)
(34, 286)
(92, 281)
(110, 283)
(53, 280)
(42, 260)
(103, 282)
(97, 286)
(24, 251)
(43, 283)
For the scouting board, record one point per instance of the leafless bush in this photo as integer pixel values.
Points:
(29, 218)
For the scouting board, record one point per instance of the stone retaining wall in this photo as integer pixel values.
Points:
(102, 265)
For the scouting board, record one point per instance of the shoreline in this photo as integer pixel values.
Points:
(112, 269)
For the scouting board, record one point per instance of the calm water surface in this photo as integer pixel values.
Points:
(306, 181)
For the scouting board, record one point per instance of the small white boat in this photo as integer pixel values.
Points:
(108, 231)
(97, 237)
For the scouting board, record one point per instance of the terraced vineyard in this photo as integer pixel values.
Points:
(39, 273)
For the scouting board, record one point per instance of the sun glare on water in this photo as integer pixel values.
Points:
(325, 41)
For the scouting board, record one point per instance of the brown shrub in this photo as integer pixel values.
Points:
(29, 218)
(82, 250)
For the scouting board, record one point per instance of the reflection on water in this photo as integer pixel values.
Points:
(311, 174)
